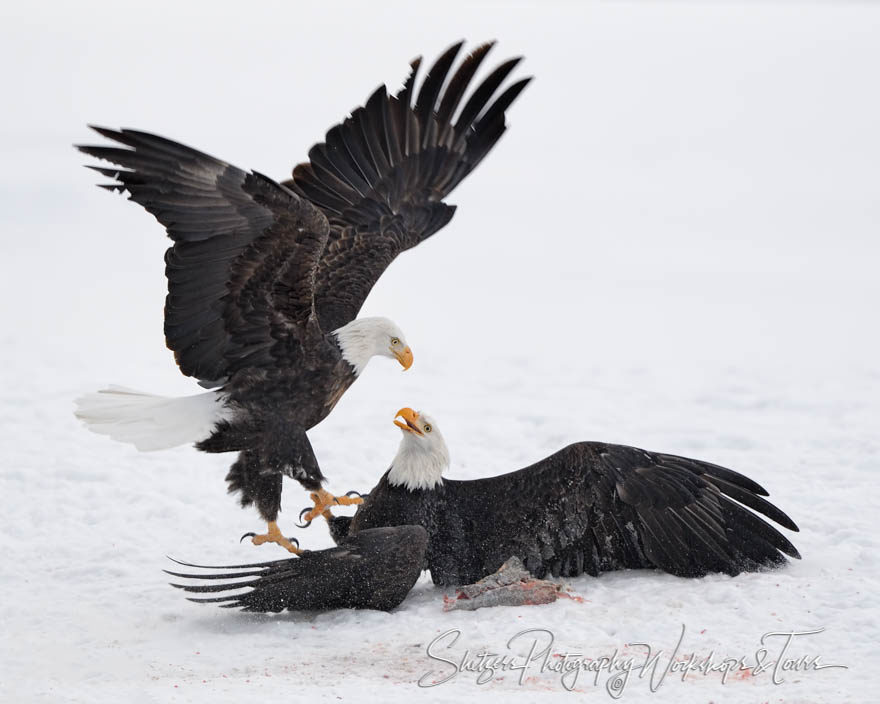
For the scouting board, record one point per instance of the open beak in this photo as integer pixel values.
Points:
(405, 358)
(408, 424)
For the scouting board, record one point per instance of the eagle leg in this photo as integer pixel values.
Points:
(273, 535)
(324, 501)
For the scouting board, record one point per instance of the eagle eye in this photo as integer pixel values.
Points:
(427, 428)
(395, 340)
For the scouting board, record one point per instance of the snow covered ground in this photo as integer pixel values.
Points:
(675, 246)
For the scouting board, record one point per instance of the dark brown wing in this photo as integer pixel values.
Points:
(381, 175)
(242, 268)
(374, 569)
(593, 507)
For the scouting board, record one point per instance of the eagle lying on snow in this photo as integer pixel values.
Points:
(265, 280)
(591, 507)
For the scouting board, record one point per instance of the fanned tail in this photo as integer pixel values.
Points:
(151, 422)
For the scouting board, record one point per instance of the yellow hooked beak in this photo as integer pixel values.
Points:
(405, 358)
(410, 417)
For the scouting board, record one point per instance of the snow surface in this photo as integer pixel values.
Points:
(675, 247)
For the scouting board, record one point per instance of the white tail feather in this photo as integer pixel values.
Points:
(151, 422)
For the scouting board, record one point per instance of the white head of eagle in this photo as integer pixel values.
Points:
(422, 456)
(364, 338)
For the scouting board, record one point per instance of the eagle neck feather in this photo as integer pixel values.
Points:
(418, 468)
(358, 342)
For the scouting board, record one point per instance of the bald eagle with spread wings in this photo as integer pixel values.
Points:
(265, 279)
(591, 507)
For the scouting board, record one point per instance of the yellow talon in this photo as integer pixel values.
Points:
(324, 501)
(273, 535)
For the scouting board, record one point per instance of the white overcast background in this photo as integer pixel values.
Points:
(674, 246)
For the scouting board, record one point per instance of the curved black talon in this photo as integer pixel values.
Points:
(351, 493)
(294, 540)
(251, 535)
(301, 514)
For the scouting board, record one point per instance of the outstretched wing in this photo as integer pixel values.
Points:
(381, 175)
(373, 570)
(593, 507)
(242, 268)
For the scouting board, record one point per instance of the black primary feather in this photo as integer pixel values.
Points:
(229, 227)
(381, 175)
